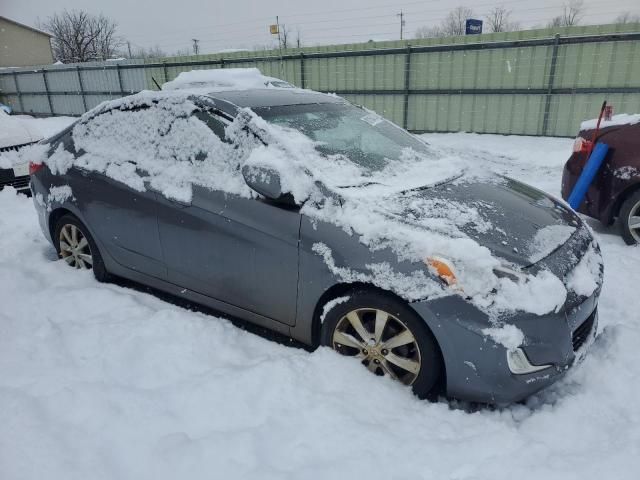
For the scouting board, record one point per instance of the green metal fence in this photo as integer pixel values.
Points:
(536, 82)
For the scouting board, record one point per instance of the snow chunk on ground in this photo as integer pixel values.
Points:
(223, 79)
(583, 280)
(621, 119)
(509, 336)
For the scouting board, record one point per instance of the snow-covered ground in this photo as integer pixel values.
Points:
(105, 382)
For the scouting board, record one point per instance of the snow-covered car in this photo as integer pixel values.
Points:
(615, 193)
(318, 219)
(224, 79)
(14, 135)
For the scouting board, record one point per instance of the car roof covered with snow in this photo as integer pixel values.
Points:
(271, 97)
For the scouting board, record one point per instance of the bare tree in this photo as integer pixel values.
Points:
(284, 36)
(453, 24)
(627, 17)
(499, 20)
(429, 32)
(571, 15)
(81, 37)
(151, 52)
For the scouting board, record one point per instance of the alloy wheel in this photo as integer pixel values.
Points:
(634, 222)
(74, 247)
(384, 344)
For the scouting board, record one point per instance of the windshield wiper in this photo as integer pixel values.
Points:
(366, 184)
(432, 185)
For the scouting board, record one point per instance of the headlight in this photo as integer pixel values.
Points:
(443, 269)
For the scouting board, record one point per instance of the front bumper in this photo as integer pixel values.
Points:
(477, 368)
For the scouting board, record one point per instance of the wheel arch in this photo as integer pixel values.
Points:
(56, 215)
(340, 289)
(621, 198)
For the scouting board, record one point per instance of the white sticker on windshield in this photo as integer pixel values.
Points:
(372, 119)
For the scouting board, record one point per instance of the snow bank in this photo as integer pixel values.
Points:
(621, 119)
(223, 79)
(125, 385)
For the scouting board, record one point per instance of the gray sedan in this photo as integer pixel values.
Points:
(244, 243)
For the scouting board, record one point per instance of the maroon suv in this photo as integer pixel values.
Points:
(615, 192)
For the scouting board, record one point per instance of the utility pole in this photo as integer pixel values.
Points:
(280, 48)
(196, 47)
(129, 48)
(401, 15)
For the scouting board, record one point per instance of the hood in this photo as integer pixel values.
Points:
(14, 131)
(516, 222)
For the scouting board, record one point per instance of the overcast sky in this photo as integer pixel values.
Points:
(171, 24)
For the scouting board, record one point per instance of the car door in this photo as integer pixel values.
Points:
(123, 219)
(240, 251)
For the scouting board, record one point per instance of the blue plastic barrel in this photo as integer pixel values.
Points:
(588, 174)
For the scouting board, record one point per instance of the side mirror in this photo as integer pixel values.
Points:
(266, 182)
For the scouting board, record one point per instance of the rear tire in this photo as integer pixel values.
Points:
(76, 247)
(630, 219)
(387, 337)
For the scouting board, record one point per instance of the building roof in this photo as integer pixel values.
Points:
(25, 26)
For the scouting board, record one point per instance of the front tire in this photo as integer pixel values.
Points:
(630, 219)
(387, 337)
(76, 247)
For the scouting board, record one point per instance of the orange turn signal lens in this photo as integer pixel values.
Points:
(442, 269)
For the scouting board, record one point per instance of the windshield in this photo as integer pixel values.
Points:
(363, 137)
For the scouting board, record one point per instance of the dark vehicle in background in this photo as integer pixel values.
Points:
(615, 192)
(254, 258)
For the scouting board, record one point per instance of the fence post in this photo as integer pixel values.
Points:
(122, 92)
(84, 99)
(165, 72)
(552, 75)
(407, 84)
(46, 89)
(15, 81)
(302, 82)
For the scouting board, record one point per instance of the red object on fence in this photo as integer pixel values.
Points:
(608, 113)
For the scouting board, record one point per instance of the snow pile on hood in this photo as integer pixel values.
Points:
(224, 79)
(621, 119)
(547, 240)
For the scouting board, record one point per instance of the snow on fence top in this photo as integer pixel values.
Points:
(224, 79)
(621, 119)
